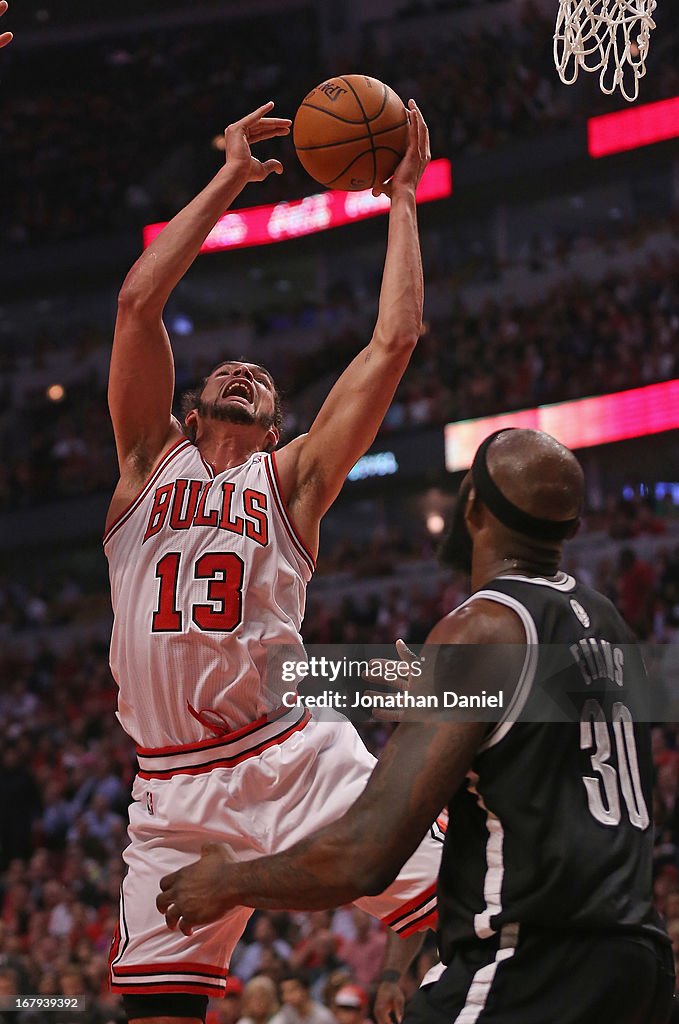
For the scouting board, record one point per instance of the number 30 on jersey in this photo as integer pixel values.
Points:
(603, 790)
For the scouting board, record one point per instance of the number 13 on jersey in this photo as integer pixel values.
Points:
(223, 610)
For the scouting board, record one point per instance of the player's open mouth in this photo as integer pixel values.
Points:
(239, 389)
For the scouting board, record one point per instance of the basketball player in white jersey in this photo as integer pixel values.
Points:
(211, 540)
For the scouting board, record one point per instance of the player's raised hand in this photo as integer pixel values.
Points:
(191, 896)
(418, 154)
(5, 37)
(254, 127)
(378, 668)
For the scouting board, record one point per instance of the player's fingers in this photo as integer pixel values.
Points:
(389, 1004)
(376, 676)
(172, 916)
(256, 115)
(426, 148)
(404, 652)
(167, 881)
(6, 38)
(247, 125)
(163, 901)
(383, 714)
(271, 167)
(271, 122)
(185, 927)
(270, 133)
(377, 669)
(413, 121)
(418, 123)
(263, 136)
(223, 849)
(421, 130)
(388, 1015)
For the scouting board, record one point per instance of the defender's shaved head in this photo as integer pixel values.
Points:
(533, 487)
(537, 474)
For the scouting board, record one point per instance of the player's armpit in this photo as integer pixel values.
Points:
(314, 467)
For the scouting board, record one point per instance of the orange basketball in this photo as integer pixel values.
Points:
(350, 132)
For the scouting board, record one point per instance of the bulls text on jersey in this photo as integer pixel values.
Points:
(183, 504)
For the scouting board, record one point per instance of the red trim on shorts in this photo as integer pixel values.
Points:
(197, 988)
(285, 515)
(411, 906)
(175, 967)
(228, 762)
(215, 741)
(164, 462)
(115, 946)
(442, 823)
(430, 920)
(202, 986)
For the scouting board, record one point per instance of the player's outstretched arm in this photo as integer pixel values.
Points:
(360, 854)
(5, 37)
(141, 380)
(313, 467)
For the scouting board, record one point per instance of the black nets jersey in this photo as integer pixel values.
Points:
(553, 827)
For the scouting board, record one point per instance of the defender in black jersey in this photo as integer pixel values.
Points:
(545, 912)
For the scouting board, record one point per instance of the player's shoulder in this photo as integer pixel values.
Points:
(141, 468)
(288, 453)
(285, 461)
(480, 620)
(594, 602)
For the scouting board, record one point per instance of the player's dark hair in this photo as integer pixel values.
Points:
(190, 400)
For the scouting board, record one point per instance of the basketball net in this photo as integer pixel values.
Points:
(610, 36)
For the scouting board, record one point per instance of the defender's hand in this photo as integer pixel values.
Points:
(378, 667)
(194, 895)
(255, 127)
(5, 37)
(389, 1003)
(415, 159)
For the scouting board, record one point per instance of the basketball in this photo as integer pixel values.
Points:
(350, 132)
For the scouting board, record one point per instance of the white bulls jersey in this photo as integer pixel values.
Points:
(207, 572)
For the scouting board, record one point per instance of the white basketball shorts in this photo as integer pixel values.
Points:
(260, 790)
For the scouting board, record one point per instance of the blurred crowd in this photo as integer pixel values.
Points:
(107, 162)
(581, 338)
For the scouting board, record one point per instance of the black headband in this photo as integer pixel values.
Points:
(505, 510)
